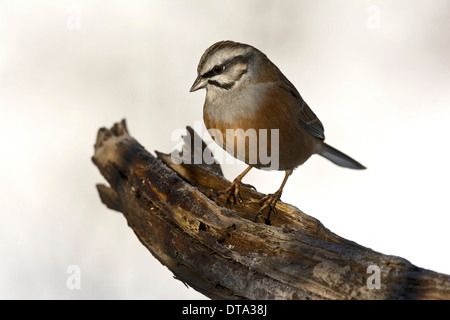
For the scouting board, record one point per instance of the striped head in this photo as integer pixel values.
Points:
(225, 66)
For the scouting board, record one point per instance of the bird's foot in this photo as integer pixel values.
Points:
(268, 201)
(232, 193)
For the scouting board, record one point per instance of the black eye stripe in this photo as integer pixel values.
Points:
(244, 59)
(208, 74)
(218, 69)
(214, 71)
(226, 65)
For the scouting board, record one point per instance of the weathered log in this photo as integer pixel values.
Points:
(221, 252)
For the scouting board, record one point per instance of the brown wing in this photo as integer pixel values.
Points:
(306, 119)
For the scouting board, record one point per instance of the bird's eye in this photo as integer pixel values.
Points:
(218, 69)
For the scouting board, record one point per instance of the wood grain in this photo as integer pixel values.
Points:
(222, 253)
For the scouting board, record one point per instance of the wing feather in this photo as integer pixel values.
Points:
(306, 117)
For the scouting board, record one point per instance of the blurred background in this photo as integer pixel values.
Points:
(377, 73)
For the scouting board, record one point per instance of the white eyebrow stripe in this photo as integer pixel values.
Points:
(222, 56)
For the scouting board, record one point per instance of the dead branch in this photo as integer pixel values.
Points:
(221, 252)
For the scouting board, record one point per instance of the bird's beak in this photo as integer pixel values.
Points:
(199, 84)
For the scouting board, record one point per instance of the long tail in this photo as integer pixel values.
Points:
(340, 158)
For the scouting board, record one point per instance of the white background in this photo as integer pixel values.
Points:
(377, 73)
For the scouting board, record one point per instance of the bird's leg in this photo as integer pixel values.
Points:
(233, 192)
(270, 200)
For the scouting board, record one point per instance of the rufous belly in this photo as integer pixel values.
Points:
(270, 141)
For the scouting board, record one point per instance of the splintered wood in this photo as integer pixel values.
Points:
(223, 253)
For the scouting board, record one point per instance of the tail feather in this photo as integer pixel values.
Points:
(340, 158)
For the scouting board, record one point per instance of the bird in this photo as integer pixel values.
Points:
(246, 91)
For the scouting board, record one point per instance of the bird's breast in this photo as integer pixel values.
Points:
(267, 130)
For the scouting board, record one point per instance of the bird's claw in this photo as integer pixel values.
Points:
(232, 194)
(268, 201)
